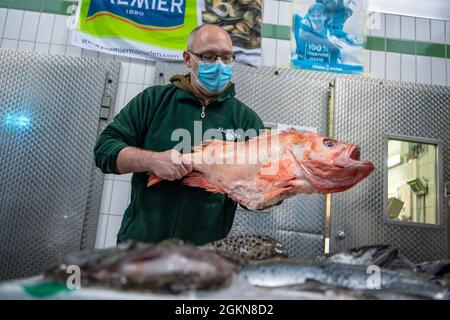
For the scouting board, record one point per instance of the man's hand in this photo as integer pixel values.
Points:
(169, 165)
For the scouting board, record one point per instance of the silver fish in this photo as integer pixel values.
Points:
(380, 255)
(290, 272)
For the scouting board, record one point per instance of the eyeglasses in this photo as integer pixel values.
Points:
(209, 56)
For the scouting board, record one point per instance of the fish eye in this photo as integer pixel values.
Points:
(329, 143)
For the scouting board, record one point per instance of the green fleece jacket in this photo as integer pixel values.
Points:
(170, 209)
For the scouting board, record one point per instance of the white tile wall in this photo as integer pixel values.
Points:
(73, 51)
(42, 47)
(30, 25)
(101, 230)
(408, 28)
(10, 44)
(378, 29)
(26, 46)
(149, 72)
(57, 49)
(270, 11)
(447, 31)
(45, 28)
(119, 197)
(378, 64)
(112, 229)
(437, 32)
(392, 26)
(3, 13)
(422, 29)
(283, 53)
(393, 66)
(366, 60)
(285, 13)
(269, 47)
(408, 68)
(106, 196)
(423, 69)
(136, 71)
(13, 24)
(448, 72)
(60, 30)
(47, 33)
(438, 71)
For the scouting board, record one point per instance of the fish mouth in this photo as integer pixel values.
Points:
(355, 153)
(354, 160)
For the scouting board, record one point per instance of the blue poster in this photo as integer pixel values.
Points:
(328, 35)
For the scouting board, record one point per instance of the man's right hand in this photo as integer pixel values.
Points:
(169, 165)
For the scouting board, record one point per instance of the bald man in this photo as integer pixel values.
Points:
(139, 140)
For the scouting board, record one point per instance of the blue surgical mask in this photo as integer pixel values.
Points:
(213, 77)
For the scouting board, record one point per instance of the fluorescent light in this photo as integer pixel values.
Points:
(393, 160)
(17, 121)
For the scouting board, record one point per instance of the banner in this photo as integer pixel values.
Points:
(148, 29)
(242, 19)
(328, 35)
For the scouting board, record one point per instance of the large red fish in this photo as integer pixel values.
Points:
(263, 171)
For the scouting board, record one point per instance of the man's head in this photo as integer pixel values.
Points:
(331, 5)
(317, 16)
(204, 44)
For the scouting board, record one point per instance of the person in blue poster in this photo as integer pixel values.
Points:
(322, 40)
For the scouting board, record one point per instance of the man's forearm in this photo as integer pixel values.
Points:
(131, 159)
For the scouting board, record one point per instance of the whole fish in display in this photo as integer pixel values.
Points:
(401, 262)
(170, 266)
(439, 268)
(380, 255)
(325, 291)
(250, 247)
(263, 171)
(291, 273)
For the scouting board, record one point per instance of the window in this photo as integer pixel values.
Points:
(412, 181)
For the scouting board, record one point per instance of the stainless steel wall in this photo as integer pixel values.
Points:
(49, 120)
(365, 111)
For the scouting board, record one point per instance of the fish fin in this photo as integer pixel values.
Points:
(281, 173)
(274, 192)
(197, 179)
(153, 179)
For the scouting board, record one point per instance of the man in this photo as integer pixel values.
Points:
(337, 13)
(311, 35)
(139, 140)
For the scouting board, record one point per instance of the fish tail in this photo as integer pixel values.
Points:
(153, 179)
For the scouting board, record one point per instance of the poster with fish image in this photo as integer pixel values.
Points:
(242, 19)
(328, 35)
(146, 29)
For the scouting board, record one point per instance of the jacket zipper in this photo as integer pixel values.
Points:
(202, 115)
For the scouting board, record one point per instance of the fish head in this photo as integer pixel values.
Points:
(380, 255)
(331, 165)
